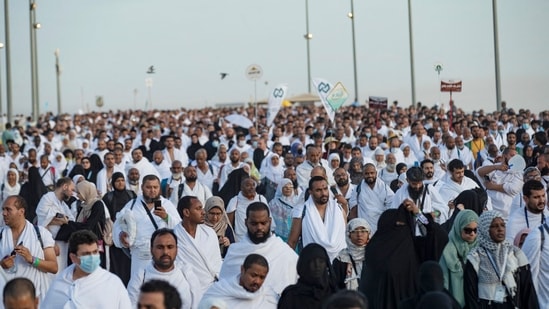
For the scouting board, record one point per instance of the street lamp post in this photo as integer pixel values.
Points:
(412, 73)
(496, 54)
(1, 47)
(58, 79)
(34, 60)
(352, 17)
(8, 59)
(149, 84)
(308, 36)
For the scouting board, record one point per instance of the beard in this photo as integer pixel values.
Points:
(430, 175)
(342, 182)
(149, 199)
(258, 239)
(370, 180)
(415, 194)
(191, 179)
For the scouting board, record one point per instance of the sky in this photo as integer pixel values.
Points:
(106, 47)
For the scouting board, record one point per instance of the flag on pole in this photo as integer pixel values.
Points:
(275, 102)
(332, 97)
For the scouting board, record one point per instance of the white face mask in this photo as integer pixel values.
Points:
(241, 143)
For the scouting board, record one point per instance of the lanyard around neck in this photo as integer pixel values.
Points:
(526, 217)
(498, 272)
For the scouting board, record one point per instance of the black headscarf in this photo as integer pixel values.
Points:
(32, 191)
(430, 279)
(470, 200)
(117, 199)
(390, 263)
(95, 166)
(314, 285)
(439, 300)
(232, 186)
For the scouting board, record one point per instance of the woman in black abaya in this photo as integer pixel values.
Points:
(115, 201)
(390, 263)
(316, 280)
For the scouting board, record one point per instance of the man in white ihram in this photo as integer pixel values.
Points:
(85, 284)
(149, 212)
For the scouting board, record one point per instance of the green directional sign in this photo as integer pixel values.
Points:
(337, 96)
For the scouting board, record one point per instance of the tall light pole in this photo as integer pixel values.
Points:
(58, 79)
(8, 59)
(34, 60)
(496, 54)
(352, 17)
(1, 47)
(308, 36)
(149, 84)
(410, 34)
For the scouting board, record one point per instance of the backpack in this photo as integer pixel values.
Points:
(108, 228)
(106, 231)
(482, 196)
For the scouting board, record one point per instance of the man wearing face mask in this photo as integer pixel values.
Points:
(241, 144)
(85, 284)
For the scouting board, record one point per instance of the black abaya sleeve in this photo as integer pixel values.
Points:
(527, 293)
(97, 216)
(470, 287)
(340, 273)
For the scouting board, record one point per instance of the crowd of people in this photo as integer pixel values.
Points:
(406, 207)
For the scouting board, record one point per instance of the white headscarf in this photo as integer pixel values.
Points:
(274, 173)
(7, 188)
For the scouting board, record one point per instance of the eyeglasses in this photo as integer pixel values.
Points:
(360, 231)
(469, 230)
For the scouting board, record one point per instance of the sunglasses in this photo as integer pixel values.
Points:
(469, 230)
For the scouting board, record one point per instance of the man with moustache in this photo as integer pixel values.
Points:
(543, 167)
(371, 198)
(138, 220)
(259, 239)
(198, 245)
(247, 290)
(165, 267)
(343, 187)
(172, 183)
(421, 196)
(226, 169)
(192, 187)
(52, 213)
(388, 173)
(534, 212)
(236, 208)
(428, 168)
(323, 220)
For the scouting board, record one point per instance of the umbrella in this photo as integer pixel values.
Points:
(239, 120)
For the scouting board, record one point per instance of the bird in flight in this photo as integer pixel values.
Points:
(223, 75)
(151, 70)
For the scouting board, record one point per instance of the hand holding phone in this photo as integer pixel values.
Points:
(157, 205)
